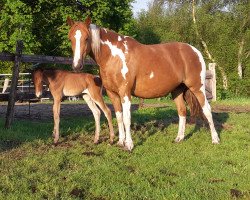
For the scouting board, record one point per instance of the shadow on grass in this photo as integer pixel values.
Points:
(142, 120)
(162, 118)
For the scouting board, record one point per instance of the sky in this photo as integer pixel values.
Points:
(139, 5)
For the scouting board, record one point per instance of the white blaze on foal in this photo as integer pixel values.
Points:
(115, 51)
(77, 55)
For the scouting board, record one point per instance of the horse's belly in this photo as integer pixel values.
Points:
(153, 89)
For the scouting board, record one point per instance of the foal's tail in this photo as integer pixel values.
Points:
(194, 105)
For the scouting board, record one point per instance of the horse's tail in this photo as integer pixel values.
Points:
(194, 105)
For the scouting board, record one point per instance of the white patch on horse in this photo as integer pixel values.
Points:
(115, 51)
(126, 46)
(105, 30)
(203, 69)
(181, 129)
(120, 127)
(206, 108)
(151, 75)
(127, 122)
(77, 55)
(119, 38)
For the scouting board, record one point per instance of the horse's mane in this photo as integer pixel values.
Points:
(95, 39)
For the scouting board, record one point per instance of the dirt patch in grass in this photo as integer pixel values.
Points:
(41, 111)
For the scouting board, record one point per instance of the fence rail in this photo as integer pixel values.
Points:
(18, 58)
(42, 59)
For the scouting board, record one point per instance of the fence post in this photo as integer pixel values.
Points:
(211, 67)
(14, 80)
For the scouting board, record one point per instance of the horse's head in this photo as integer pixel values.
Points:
(79, 36)
(37, 77)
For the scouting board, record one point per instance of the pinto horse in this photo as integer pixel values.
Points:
(71, 84)
(128, 67)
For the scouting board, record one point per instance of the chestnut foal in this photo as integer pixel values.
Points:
(64, 83)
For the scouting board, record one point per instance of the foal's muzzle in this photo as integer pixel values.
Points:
(38, 94)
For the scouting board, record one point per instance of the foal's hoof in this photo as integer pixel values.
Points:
(178, 139)
(111, 142)
(96, 142)
(56, 141)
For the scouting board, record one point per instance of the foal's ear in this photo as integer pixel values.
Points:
(88, 21)
(69, 21)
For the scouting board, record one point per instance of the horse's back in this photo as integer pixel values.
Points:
(162, 67)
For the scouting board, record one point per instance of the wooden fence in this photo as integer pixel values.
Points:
(18, 58)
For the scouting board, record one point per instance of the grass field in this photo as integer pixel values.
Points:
(32, 168)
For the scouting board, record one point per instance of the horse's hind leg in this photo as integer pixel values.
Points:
(206, 109)
(96, 112)
(181, 108)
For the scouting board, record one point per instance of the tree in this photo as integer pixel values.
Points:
(219, 28)
(41, 24)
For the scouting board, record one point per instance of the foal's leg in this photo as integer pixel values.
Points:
(115, 99)
(97, 98)
(97, 114)
(181, 108)
(200, 95)
(56, 115)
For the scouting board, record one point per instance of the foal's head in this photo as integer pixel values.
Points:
(79, 36)
(37, 77)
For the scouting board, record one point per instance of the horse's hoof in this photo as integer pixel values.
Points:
(216, 142)
(126, 149)
(129, 146)
(178, 139)
(120, 144)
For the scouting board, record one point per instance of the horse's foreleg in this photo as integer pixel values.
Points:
(126, 105)
(115, 99)
(181, 108)
(56, 115)
(97, 114)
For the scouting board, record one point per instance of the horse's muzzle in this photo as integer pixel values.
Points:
(77, 68)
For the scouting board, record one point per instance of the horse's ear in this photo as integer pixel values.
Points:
(88, 21)
(70, 22)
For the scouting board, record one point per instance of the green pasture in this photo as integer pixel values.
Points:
(32, 168)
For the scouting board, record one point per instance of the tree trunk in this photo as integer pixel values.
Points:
(223, 74)
(240, 52)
